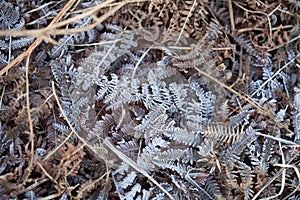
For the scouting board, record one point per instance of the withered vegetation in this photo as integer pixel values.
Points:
(140, 99)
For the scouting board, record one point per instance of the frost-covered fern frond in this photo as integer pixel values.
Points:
(272, 83)
(198, 57)
(260, 157)
(61, 50)
(204, 108)
(154, 95)
(145, 160)
(127, 42)
(3, 60)
(242, 117)
(177, 167)
(212, 187)
(233, 152)
(10, 17)
(246, 44)
(125, 183)
(67, 42)
(183, 136)
(20, 43)
(102, 127)
(152, 124)
(77, 90)
(5, 141)
(172, 155)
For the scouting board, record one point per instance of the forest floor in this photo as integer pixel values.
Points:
(140, 99)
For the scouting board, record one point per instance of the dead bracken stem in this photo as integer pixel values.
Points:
(31, 133)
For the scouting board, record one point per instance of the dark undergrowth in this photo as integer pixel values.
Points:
(162, 99)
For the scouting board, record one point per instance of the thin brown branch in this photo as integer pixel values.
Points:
(231, 15)
(37, 42)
